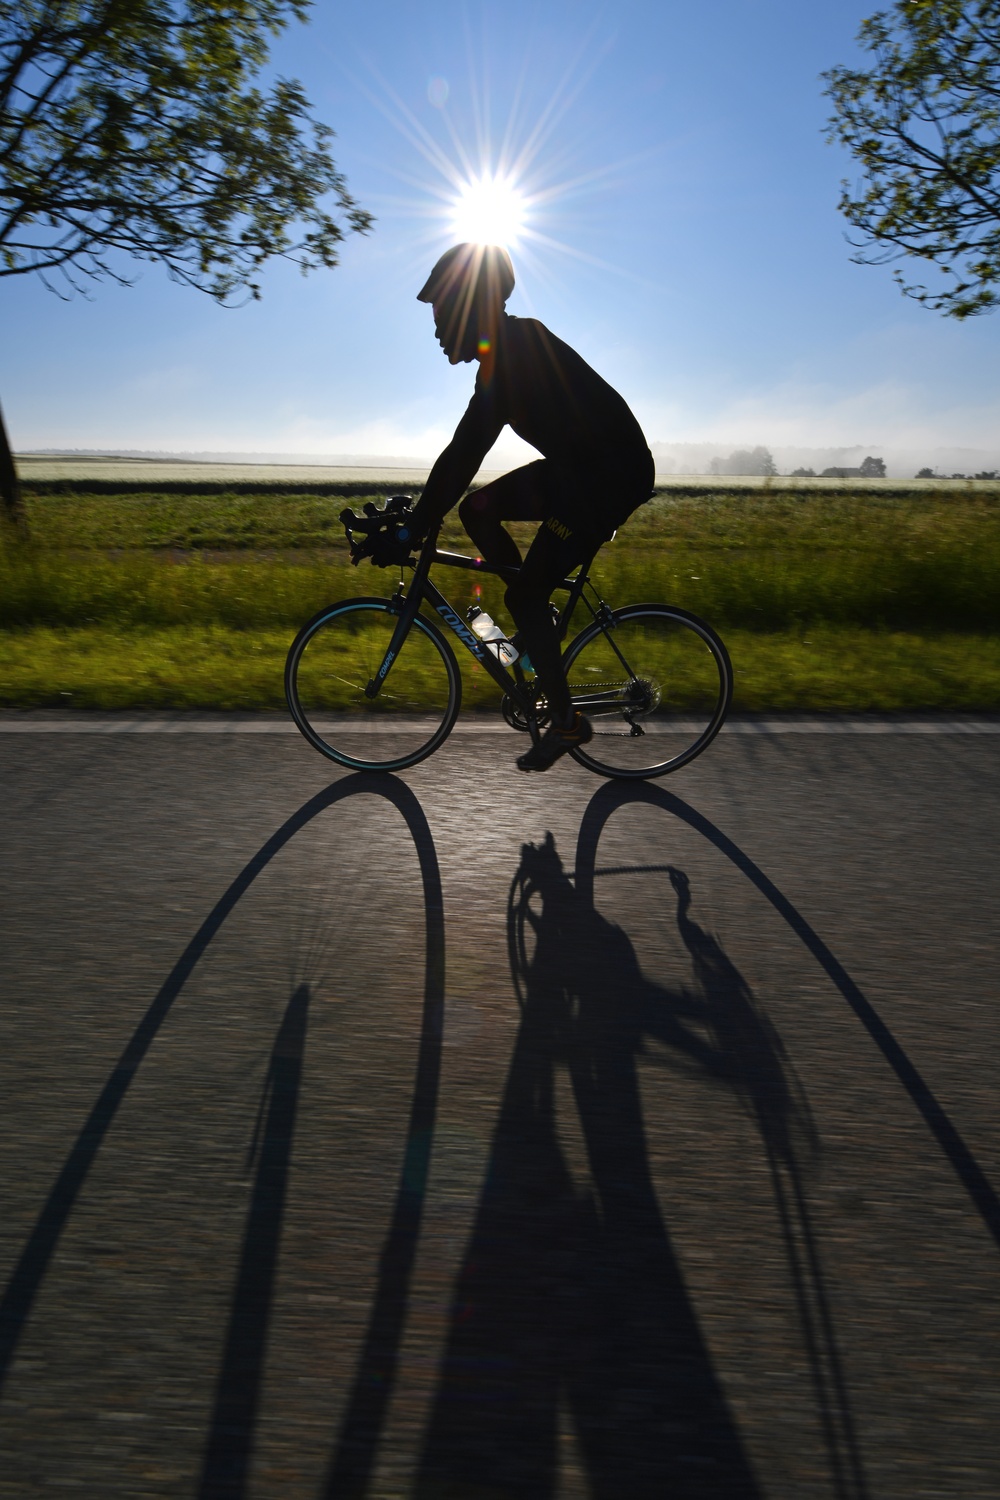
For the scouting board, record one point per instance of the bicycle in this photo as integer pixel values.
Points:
(373, 684)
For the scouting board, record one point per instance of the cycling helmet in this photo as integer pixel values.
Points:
(475, 273)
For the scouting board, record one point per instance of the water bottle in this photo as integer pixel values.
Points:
(490, 633)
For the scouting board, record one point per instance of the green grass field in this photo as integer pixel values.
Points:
(842, 599)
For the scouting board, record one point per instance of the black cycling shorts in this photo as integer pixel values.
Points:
(589, 504)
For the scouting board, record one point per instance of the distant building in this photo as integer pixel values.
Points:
(871, 468)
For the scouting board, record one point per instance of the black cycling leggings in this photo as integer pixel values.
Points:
(533, 493)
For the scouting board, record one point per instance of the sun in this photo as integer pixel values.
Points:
(519, 182)
(489, 210)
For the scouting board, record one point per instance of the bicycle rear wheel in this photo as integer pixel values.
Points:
(334, 658)
(656, 684)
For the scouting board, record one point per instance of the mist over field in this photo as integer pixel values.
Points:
(900, 463)
(670, 458)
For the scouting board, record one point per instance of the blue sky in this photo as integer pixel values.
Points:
(682, 233)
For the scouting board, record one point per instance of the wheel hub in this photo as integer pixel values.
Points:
(641, 696)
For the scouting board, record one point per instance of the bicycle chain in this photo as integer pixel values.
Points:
(583, 687)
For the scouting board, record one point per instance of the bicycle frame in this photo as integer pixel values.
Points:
(644, 667)
(407, 604)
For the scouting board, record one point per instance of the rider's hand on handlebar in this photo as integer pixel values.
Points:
(389, 549)
(387, 536)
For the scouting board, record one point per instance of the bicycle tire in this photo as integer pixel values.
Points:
(658, 703)
(332, 660)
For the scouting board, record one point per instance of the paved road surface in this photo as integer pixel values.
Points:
(470, 1134)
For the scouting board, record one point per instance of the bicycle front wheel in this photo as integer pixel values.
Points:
(332, 661)
(656, 684)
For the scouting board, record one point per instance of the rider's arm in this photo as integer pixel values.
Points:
(458, 465)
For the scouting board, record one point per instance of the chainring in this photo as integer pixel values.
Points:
(516, 717)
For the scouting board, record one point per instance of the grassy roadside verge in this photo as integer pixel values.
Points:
(847, 601)
(191, 666)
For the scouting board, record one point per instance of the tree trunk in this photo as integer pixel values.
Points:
(10, 489)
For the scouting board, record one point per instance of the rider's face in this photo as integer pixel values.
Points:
(457, 341)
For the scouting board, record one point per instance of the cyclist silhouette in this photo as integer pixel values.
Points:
(595, 469)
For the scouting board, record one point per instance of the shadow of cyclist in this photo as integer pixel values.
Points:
(753, 1059)
(572, 1296)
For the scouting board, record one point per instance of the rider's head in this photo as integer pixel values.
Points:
(467, 289)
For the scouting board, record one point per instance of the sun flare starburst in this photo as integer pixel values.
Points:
(489, 210)
(519, 179)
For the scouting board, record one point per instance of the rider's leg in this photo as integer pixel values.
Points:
(517, 496)
(529, 494)
(548, 561)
